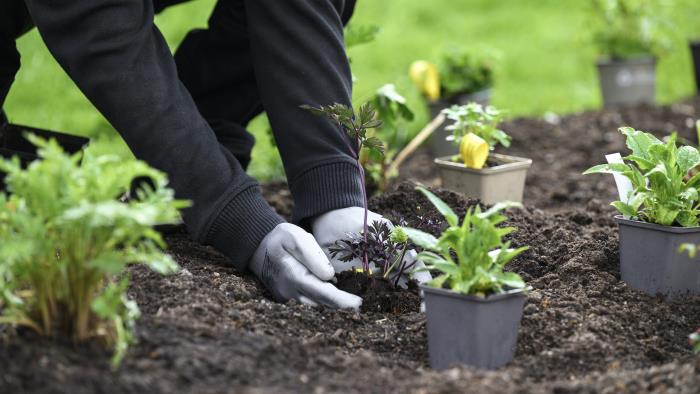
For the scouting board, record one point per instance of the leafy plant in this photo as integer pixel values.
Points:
(394, 113)
(383, 246)
(476, 119)
(471, 255)
(356, 35)
(356, 126)
(663, 192)
(465, 72)
(630, 28)
(65, 239)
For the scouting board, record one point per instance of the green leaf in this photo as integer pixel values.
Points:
(626, 210)
(422, 239)
(611, 168)
(512, 280)
(441, 206)
(498, 207)
(687, 158)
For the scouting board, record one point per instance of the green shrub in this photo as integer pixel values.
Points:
(630, 28)
(664, 192)
(477, 243)
(65, 240)
(465, 72)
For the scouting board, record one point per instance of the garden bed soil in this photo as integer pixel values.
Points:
(211, 329)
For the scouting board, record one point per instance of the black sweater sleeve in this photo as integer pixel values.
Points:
(120, 61)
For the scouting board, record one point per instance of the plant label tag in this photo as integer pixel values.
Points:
(624, 186)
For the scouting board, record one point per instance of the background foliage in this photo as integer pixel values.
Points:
(547, 62)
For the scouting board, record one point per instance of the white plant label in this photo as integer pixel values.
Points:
(624, 186)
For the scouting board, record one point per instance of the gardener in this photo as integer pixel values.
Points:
(186, 116)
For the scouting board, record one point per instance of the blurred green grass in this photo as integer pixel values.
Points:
(547, 63)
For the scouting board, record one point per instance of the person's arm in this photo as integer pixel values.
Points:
(120, 61)
(299, 58)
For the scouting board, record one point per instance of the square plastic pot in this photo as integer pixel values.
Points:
(695, 54)
(440, 146)
(650, 260)
(471, 330)
(627, 82)
(505, 181)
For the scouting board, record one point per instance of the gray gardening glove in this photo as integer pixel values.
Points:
(291, 265)
(337, 224)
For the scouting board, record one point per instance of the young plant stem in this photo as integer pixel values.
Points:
(365, 258)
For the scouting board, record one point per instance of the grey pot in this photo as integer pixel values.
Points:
(471, 330)
(502, 182)
(440, 146)
(627, 82)
(650, 261)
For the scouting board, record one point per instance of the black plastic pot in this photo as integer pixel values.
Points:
(13, 143)
(650, 260)
(627, 82)
(440, 147)
(695, 53)
(471, 330)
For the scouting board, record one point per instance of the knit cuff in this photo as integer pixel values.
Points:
(241, 226)
(325, 188)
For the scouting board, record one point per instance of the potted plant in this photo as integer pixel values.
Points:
(658, 214)
(476, 172)
(629, 36)
(461, 76)
(65, 240)
(473, 307)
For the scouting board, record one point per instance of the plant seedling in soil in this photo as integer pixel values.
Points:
(356, 125)
(475, 131)
(470, 255)
(465, 72)
(663, 191)
(65, 239)
(383, 246)
(627, 29)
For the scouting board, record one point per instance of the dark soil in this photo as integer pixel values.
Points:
(379, 295)
(211, 329)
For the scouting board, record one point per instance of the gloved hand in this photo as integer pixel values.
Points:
(335, 225)
(291, 265)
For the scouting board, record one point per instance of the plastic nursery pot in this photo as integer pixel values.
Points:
(471, 330)
(627, 82)
(440, 146)
(695, 53)
(650, 260)
(504, 181)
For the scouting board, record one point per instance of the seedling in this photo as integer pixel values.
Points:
(383, 246)
(65, 240)
(630, 28)
(472, 255)
(356, 126)
(663, 192)
(475, 131)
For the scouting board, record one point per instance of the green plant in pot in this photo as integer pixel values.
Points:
(476, 171)
(473, 307)
(460, 76)
(65, 240)
(659, 213)
(629, 36)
